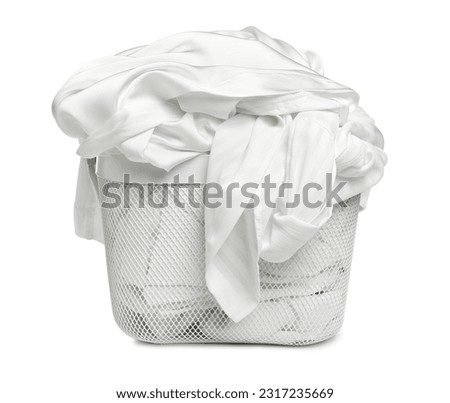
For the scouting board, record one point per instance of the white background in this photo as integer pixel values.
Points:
(59, 342)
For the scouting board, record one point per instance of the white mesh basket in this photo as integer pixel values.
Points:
(156, 269)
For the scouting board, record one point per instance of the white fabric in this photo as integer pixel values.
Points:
(112, 167)
(87, 211)
(259, 107)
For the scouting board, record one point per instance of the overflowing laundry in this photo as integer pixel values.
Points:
(256, 106)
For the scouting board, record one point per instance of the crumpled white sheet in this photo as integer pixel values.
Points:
(259, 107)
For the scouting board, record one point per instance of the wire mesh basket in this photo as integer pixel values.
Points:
(156, 270)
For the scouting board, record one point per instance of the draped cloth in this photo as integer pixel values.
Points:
(259, 108)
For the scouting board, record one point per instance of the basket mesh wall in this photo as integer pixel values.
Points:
(156, 269)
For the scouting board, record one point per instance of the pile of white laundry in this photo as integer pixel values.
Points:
(255, 107)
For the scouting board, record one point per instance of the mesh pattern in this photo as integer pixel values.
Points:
(156, 270)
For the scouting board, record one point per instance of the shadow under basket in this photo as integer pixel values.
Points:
(156, 270)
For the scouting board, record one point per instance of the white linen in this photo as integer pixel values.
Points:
(259, 107)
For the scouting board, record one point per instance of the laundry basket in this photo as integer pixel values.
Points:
(185, 106)
(156, 268)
